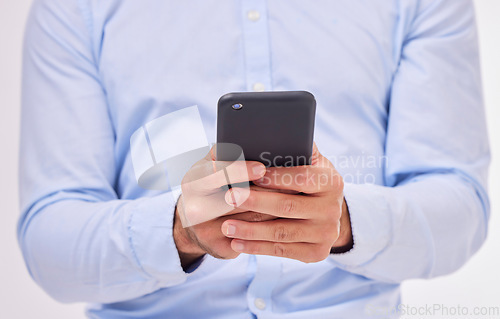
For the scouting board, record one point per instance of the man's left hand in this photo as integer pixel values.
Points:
(312, 216)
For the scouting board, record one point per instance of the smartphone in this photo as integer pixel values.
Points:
(275, 128)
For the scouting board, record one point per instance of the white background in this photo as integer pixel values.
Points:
(477, 284)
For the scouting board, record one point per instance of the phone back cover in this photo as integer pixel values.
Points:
(275, 128)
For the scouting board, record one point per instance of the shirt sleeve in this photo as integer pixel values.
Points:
(79, 240)
(432, 215)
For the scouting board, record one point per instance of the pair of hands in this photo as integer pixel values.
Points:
(294, 212)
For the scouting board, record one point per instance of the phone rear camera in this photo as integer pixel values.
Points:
(237, 106)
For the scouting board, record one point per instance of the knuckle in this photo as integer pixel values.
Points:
(256, 217)
(287, 207)
(280, 233)
(279, 250)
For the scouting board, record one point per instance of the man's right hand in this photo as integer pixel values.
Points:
(202, 209)
(207, 238)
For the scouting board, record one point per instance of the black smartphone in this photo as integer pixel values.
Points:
(275, 128)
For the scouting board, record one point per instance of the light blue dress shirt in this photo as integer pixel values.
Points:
(399, 113)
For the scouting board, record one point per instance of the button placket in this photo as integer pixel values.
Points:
(259, 293)
(256, 45)
(260, 303)
(253, 15)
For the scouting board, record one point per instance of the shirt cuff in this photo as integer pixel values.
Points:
(370, 225)
(152, 241)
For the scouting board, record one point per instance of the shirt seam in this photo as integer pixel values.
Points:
(131, 244)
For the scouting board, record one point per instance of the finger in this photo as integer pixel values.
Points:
(263, 189)
(194, 210)
(203, 198)
(279, 230)
(305, 252)
(273, 203)
(211, 175)
(248, 216)
(305, 179)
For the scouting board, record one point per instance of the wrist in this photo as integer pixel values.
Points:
(187, 249)
(345, 241)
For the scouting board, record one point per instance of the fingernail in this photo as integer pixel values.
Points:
(238, 245)
(231, 230)
(259, 170)
(232, 197)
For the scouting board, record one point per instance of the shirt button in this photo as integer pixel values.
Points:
(259, 87)
(260, 303)
(253, 15)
